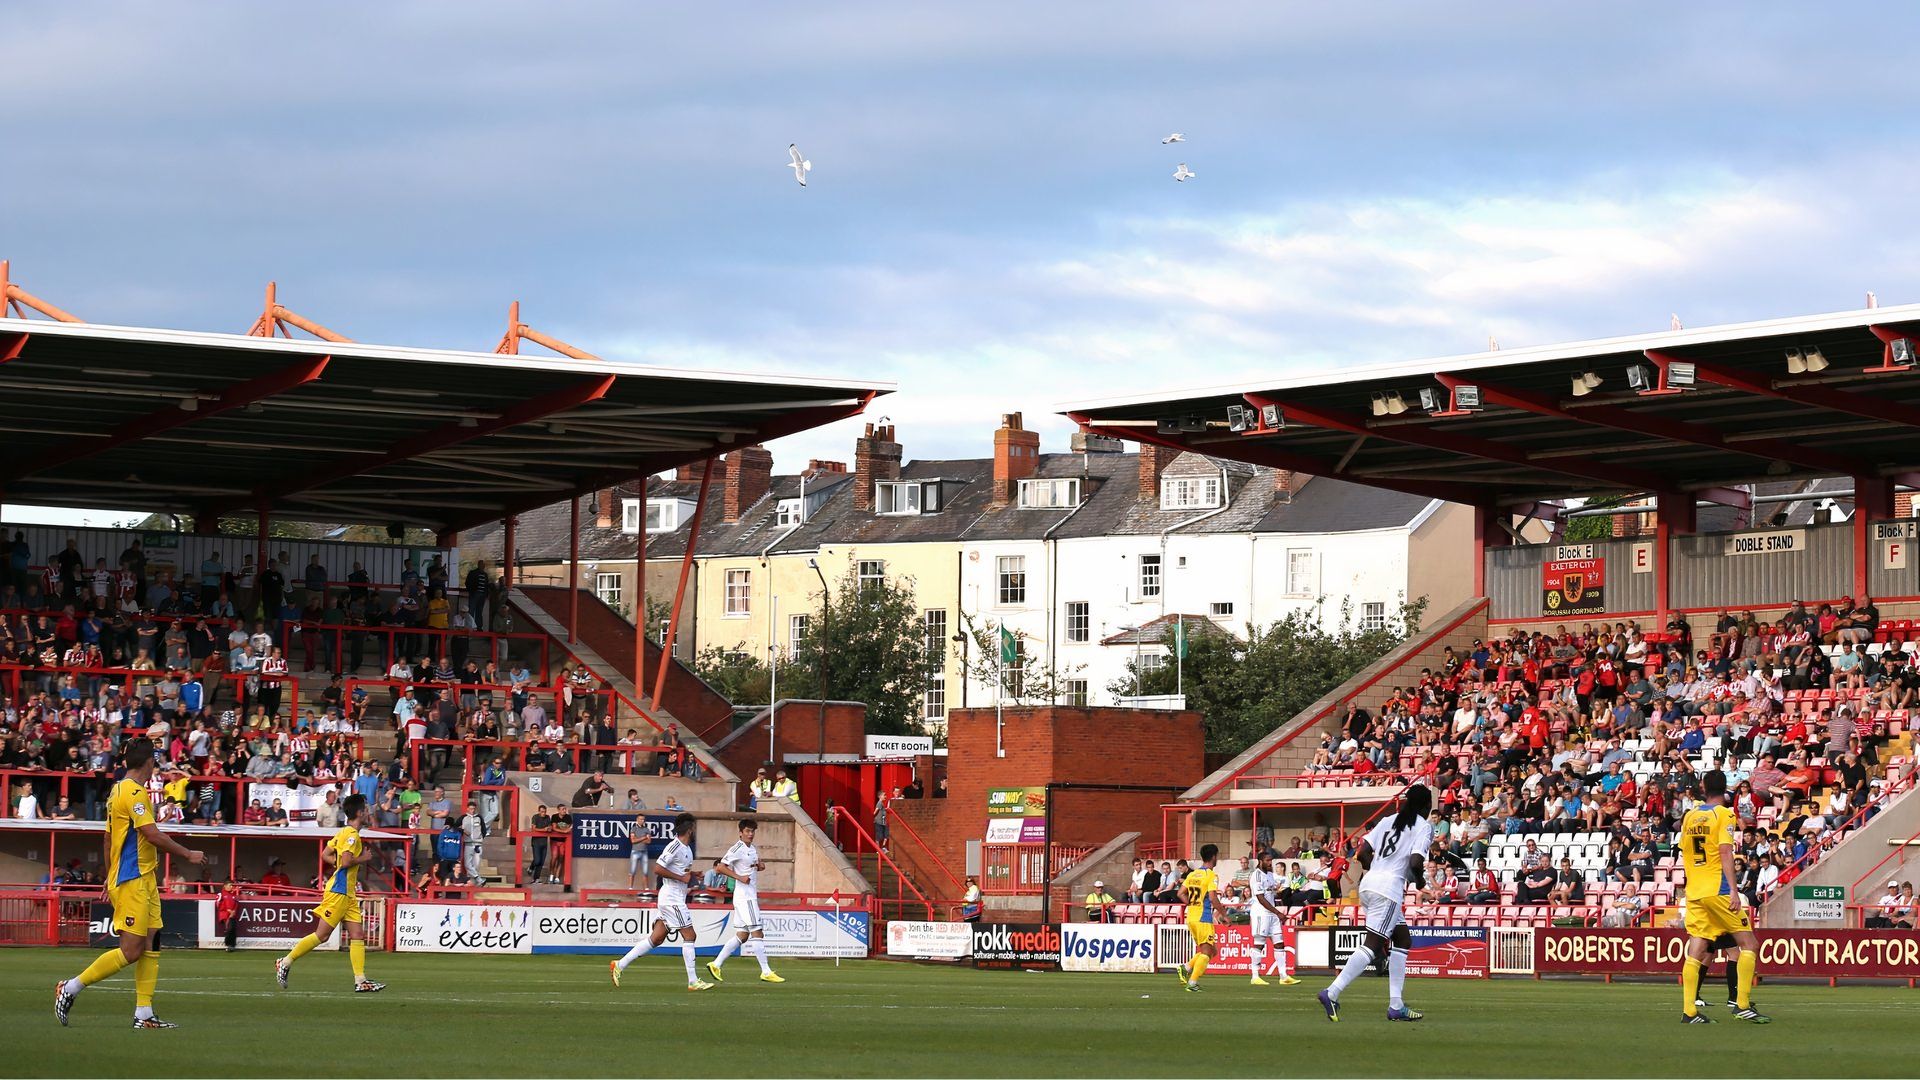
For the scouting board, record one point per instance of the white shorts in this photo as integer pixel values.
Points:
(1383, 912)
(746, 913)
(674, 914)
(1266, 925)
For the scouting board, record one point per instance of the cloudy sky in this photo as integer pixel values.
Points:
(991, 220)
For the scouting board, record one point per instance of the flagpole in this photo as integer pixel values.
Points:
(999, 684)
(1180, 660)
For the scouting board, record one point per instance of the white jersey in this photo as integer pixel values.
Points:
(1265, 885)
(1392, 851)
(741, 859)
(678, 858)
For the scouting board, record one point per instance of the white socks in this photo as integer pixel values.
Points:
(1357, 964)
(757, 948)
(74, 986)
(686, 953)
(634, 953)
(732, 946)
(143, 1012)
(1396, 978)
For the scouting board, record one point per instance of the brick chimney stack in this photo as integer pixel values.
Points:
(1016, 456)
(604, 498)
(1154, 460)
(816, 467)
(749, 475)
(876, 459)
(690, 472)
(1287, 483)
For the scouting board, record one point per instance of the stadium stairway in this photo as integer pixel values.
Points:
(1857, 854)
(1285, 753)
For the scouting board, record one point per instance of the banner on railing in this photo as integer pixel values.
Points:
(181, 930)
(1815, 954)
(1450, 952)
(1009, 945)
(1106, 947)
(263, 923)
(604, 836)
(503, 928)
(930, 940)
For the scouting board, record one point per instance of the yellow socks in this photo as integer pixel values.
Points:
(1199, 966)
(1747, 962)
(1690, 986)
(146, 975)
(358, 950)
(104, 966)
(302, 947)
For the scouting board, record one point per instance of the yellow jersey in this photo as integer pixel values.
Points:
(129, 855)
(1198, 887)
(344, 880)
(1702, 832)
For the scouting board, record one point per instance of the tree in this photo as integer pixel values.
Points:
(876, 653)
(1027, 680)
(1582, 530)
(1247, 688)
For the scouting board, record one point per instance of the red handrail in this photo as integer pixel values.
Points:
(900, 877)
(895, 821)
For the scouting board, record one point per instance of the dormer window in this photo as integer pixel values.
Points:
(1049, 494)
(663, 515)
(897, 497)
(788, 513)
(1190, 493)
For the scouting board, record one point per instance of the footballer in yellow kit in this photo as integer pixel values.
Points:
(134, 843)
(1201, 890)
(344, 855)
(1714, 908)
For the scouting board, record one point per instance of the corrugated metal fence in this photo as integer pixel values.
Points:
(184, 552)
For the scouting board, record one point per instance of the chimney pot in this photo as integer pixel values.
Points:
(1016, 456)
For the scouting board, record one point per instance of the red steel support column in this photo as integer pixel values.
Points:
(506, 552)
(640, 600)
(680, 591)
(573, 574)
(1872, 501)
(1674, 513)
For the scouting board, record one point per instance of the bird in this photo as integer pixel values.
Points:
(800, 165)
(1182, 173)
(1174, 138)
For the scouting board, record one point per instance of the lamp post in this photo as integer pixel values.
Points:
(825, 603)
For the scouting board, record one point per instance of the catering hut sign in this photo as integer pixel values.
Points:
(1574, 581)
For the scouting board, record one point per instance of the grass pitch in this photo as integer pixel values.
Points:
(559, 1016)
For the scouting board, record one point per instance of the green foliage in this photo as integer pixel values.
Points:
(1583, 530)
(874, 643)
(1246, 689)
(1027, 681)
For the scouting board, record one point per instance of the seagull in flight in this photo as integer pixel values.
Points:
(1183, 174)
(800, 165)
(1174, 138)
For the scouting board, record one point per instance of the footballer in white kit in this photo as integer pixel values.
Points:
(742, 864)
(675, 867)
(1267, 922)
(1394, 854)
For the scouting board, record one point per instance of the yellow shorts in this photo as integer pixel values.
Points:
(338, 907)
(1712, 916)
(136, 907)
(1202, 933)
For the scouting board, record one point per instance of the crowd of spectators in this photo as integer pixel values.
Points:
(1605, 732)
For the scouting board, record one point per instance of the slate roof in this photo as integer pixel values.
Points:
(1110, 506)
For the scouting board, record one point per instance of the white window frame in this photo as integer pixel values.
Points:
(1221, 609)
(1079, 622)
(789, 512)
(890, 495)
(629, 516)
(1190, 493)
(738, 594)
(1303, 572)
(1050, 494)
(870, 574)
(934, 706)
(1075, 695)
(1151, 575)
(1010, 580)
(933, 627)
(1153, 661)
(797, 627)
(1373, 616)
(610, 587)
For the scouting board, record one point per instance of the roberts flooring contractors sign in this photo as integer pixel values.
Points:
(1007, 945)
(1815, 954)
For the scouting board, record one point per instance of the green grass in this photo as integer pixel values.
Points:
(558, 1016)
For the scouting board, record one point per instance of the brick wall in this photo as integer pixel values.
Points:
(798, 733)
(1076, 751)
